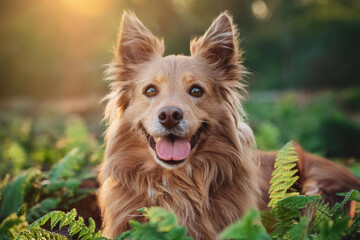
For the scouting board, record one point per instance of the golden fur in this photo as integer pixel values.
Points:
(217, 183)
(222, 177)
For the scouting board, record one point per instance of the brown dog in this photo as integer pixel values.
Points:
(176, 136)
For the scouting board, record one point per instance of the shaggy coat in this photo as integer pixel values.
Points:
(217, 183)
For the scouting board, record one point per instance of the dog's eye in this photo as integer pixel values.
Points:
(196, 91)
(150, 91)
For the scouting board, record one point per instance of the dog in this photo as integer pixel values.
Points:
(177, 137)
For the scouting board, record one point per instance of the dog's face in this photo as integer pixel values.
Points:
(172, 101)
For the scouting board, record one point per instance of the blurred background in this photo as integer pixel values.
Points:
(304, 56)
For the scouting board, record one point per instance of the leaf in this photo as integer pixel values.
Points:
(334, 230)
(56, 216)
(42, 208)
(283, 176)
(286, 212)
(69, 218)
(161, 225)
(12, 226)
(76, 226)
(248, 227)
(68, 166)
(299, 231)
(14, 192)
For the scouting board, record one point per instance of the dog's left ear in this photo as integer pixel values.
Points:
(136, 44)
(219, 47)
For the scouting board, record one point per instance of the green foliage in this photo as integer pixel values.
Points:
(161, 225)
(11, 226)
(34, 192)
(14, 193)
(287, 212)
(312, 121)
(291, 214)
(267, 136)
(299, 231)
(283, 176)
(248, 227)
(75, 226)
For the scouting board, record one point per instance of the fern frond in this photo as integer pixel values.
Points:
(161, 225)
(66, 219)
(68, 166)
(3, 184)
(352, 195)
(283, 177)
(334, 229)
(42, 208)
(322, 214)
(287, 212)
(14, 192)
(248, 227)
(299, 231)
(39, 233)
(11, 226)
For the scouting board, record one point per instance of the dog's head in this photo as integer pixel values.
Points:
(173, 103)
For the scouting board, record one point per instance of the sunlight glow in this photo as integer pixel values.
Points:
(260, 9)
(88, 8)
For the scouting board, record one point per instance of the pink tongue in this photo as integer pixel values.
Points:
(177, 150)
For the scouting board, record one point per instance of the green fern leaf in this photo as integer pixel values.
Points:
(42, 208)
(299, 231)
(352, 195)
(55, 217)
(91, 225)
(248, 227)
(11, 226)
(68, 219)
(3, 183)
(334, 230)
(287, 212)
(283, 177)
(14, 192)
(68, 166)
(322, 214)
(65, 219)
(76, 226)
(39, 233)
(161, 225)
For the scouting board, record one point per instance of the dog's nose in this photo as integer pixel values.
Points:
(169, 117)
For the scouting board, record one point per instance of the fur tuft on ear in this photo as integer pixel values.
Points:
(136, 44)
(219, 47)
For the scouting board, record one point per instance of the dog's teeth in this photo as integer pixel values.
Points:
(156, 139)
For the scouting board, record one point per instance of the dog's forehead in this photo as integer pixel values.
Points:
(175, 67)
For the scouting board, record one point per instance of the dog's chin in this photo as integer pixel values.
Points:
(171, 163)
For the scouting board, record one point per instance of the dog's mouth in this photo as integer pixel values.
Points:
(173, 150)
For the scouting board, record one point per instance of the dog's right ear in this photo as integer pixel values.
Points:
(136, 44)
(219, 47)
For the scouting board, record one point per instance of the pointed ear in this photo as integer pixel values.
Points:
(136, 44)
(219, 46)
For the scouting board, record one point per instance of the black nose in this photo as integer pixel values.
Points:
(169, 117)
